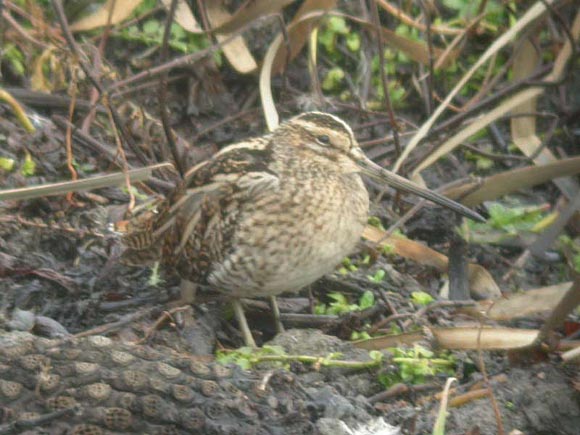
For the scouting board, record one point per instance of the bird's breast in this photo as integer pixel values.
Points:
(288, 239)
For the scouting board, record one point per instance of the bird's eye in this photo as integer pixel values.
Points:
(323, 139)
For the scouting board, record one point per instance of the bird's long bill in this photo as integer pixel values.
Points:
(373, 170)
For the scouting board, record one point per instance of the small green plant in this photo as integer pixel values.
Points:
(333, 79)
(342, 305)
(421, 298)
(359, 335)
(332, 32)
(246, 357)
(12, 55)
(375, 222)
(510, 405)
(378, 277)
(495, 13)
(573, 248)
(28, 167)
(367, 300)
(482, 163)
(151, 33)
(387, 249)
(416, 365)
(341, 45)
(512, 219)
(347, 266)
(135, 192)
(6, 164)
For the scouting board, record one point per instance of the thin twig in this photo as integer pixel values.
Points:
(177, 159)
(61, 16)
(384, 78)
(431, 75)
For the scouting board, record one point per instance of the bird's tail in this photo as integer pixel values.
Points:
(143, 243)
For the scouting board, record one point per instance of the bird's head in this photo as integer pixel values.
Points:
(321, 143)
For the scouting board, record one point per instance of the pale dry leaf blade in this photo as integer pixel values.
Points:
(123, 10)
(459, 338)
(184, 16)
(250, 12)
(439, 428)
(523, 128)
(299, 30)
(266, 97)
(236, 51)
(524, 304)
(416, 50)
(469, 338)
(96, 182)
(501, 184)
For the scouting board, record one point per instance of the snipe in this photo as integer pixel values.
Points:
(268, 215)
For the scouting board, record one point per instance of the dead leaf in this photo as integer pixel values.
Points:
(300, 29)
(523, 128)
(123, 10)
(418, 51)
(459, 338)
(184, 16)
(266, 97)
(249, 12)
(501, 184)
(481, 283)
(524, 304)
(236, 51)
(466, 338)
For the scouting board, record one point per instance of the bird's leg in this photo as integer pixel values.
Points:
(276, 313)
(243, 323)
(188, 290)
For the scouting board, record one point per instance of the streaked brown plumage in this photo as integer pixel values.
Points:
(269, 215)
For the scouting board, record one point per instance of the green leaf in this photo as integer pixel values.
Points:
(13, 55)
(28, 167)
(375, 222)
(152, 28)
(376, 355)
(333, 79)
(6, 164)
(367, 300)
(387, 249)
(362, 335)
(337, 25)
(320, 309)
(178, 32)
(378, 276)
(353, 41)
(338, 298)
(421, 298)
